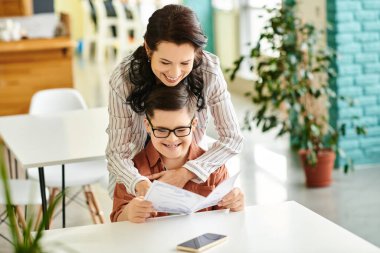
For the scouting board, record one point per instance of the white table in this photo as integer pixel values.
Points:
(286, 227)
(54, 139)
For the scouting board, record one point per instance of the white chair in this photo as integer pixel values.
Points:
(76, 174)
(23, 193)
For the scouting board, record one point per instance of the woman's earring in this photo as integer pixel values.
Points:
(148, 59)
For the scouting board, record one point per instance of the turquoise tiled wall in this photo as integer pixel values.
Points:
(203, 9)
(355, 35)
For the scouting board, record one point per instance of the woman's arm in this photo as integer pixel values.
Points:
(226, 123)
(126, 136)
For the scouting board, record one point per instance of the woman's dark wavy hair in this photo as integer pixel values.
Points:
(172, 23)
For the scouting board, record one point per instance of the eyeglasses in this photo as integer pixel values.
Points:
(164, 132)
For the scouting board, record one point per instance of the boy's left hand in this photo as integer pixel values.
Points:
(234, 200)
(177, 177)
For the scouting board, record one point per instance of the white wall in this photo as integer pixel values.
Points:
(74, 9)
(314, 11)
(226, 26)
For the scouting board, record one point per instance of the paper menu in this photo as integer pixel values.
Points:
(171, 199)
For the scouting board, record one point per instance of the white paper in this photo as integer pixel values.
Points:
(171, 199)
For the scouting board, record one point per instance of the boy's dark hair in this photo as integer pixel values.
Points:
(167, 98)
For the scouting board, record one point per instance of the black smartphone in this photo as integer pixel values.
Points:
(201, 242)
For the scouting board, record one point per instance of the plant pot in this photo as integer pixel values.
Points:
(320, 174)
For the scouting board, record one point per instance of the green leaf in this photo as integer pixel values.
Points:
(315, 129)
(360, 130)
(343, 129)
(295, 76)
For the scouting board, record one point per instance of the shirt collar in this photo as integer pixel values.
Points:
(154, 157)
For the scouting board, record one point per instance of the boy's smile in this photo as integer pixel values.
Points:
(172, 146)
(173, 149)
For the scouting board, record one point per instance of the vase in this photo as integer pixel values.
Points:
(320, 174)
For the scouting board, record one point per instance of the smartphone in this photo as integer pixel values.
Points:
(201, 242)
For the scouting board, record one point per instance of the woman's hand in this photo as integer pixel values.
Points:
(234, 200)
(138, 210)
(177, 177)
(142, 187)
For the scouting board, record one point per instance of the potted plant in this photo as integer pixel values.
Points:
(292, 92)
(26, 239)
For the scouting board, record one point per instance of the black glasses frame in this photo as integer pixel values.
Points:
(169, 131)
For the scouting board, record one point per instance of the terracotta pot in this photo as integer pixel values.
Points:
(320, 174)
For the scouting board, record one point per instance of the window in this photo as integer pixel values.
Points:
(225, 5)
(252, 18)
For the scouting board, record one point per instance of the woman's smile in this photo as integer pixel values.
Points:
(173, 80)
(172, 62)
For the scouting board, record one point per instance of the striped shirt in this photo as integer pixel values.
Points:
(127, 133)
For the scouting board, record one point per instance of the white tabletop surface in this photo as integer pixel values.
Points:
(41, 140)
(286, 227)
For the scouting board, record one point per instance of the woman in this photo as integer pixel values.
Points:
(172, 52)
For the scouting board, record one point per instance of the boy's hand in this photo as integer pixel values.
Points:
(142, 187)
(177, 177)
(234, 200)
(138, 210)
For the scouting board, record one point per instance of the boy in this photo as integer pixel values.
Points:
(170, 122)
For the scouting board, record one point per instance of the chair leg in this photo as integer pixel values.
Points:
(53, 193)
(39, 217)
(93, 205)
(20, 217)
(20, 220)
(87, 193)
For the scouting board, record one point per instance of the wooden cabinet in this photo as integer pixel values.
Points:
(30, 65)
(27, 66)
(16, 8)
